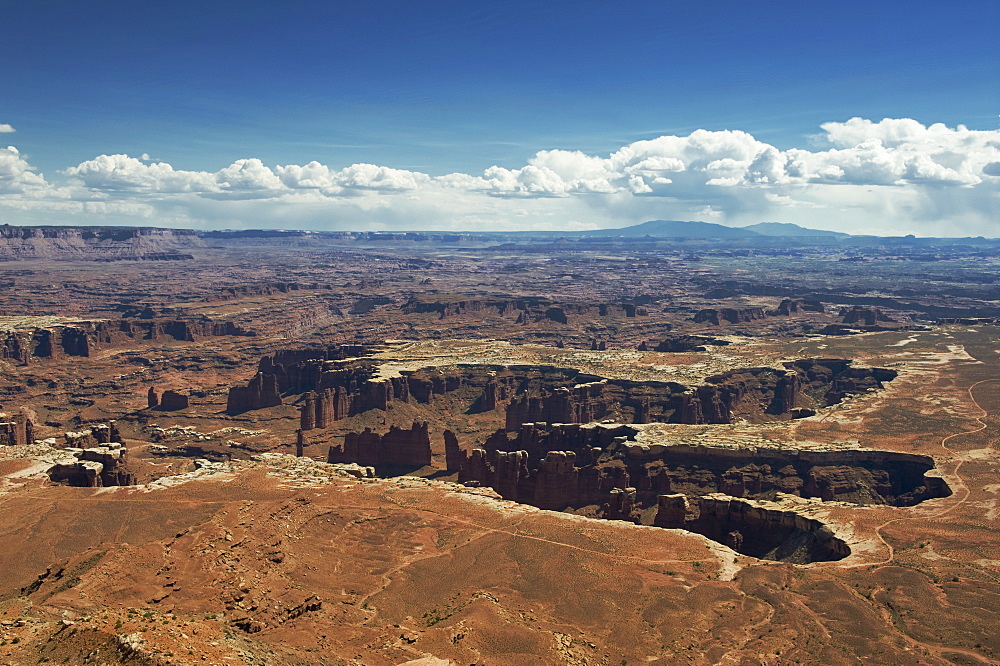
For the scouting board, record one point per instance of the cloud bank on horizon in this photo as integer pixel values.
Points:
(894, 176)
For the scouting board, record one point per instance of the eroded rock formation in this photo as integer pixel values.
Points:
(262, 391)
(572, 466)
(397, 448)
(866, 316)
(16, 430)
(728, 315)
(334, 388)
(752, 528)
(173, 400)
(521, 310)
(84, 337)
(93, 467)
(682, 343)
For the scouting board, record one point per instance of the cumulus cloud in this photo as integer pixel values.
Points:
(16, 175)
(895, 172)
(6, 129)
(128, 174)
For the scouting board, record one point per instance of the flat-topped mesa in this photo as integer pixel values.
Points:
(397, 448)
(682, 343)
(173, 400)
(96, 243)
(859, 476)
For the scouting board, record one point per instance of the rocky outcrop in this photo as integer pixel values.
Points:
(152, 398)
(334, 388)
(265, 289)
(728, 315)
(396, 448)
(671, 511)
(84, 337)
(454, 456)
(172, 401)
(101, 433)
(557, 315)
(866, 316)
(521, 310)
(789, 305)
(757, 529)
(683, 343)
(700, 489)
(750, 393)
(16, 430)
(573, 465)
(93, 467)
(262, 391)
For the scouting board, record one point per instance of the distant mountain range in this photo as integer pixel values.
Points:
(680, 229)
(789, 229)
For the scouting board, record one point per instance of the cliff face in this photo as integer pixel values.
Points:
(337, 383)
(16, 430)
(728, 315)
(262, 391)
(751, 393)
(752, 528)
(398, 448)
(96, 243)
(710, 491)
(521, 310)
(571, 465)
(82, 338)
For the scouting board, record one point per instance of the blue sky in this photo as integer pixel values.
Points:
(439, 88)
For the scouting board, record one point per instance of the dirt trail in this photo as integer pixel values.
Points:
(960, 486)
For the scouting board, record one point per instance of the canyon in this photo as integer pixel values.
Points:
(290, 447)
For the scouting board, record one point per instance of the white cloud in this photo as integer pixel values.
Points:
(6, 129)
(248, 176)
(895, 173)
(129, 175)
(16, 175)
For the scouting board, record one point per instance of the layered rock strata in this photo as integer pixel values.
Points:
(84, 337)
(728, 315)
(397, 448)
(522, 310)
(16, 430)
(752, 528)
(93, 467)
(604, 457)
(335, 388)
